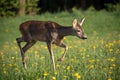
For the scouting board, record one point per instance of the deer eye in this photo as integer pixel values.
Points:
(78, 30)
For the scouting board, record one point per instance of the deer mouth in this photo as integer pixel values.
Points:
(82, 37)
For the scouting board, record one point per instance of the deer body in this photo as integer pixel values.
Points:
(38, 30)
(49, 32)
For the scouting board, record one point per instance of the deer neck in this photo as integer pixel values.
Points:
(66, 31)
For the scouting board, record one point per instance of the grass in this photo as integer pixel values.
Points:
(97, 58)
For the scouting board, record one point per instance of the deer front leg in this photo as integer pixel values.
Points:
(51, 53)
(64, 54)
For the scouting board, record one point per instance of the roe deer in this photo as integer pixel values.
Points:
(49, 32)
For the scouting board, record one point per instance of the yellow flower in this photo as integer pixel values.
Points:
(33, 65)
(113, 65)
(72, 59)
(109, 79)
(4, 71)
(77, 75)
(110, 72)
(111, 59)
(104, 69)
(55, 72)
(45, 74)
(36, 52)
(39, 79)
(45, 47)
(36, 63)
(70, 46)
(55, 17)
(68, 68)
(3, 65)
(91, 66)
(10, 65)
(1, 53)
(94, 47)
(53, 78)
(88, 55)
(16, 69)
(65, 76)
(84, 49)
(13, 57)
(83, 57)
(91, 61)
(119, 41)
(111, 50)
(102, 41)
(57, 65)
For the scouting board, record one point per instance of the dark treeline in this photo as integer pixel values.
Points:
(32, 7)
(61, 5)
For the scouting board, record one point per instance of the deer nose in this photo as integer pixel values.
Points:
(84, 37)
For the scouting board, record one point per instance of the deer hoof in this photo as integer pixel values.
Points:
(24, 65)
(61, 59)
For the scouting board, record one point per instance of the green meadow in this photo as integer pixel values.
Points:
(96, 58)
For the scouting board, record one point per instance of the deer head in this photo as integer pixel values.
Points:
(78, 30)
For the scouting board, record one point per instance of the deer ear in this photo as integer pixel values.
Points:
(74, 23)
(82, 20)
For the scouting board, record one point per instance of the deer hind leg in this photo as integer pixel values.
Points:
(61, 44)
(19, 40)
(28, 45)
(24, 49)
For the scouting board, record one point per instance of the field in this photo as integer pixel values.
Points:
(97, 58)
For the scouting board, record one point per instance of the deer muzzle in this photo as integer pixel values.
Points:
(84, 37)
